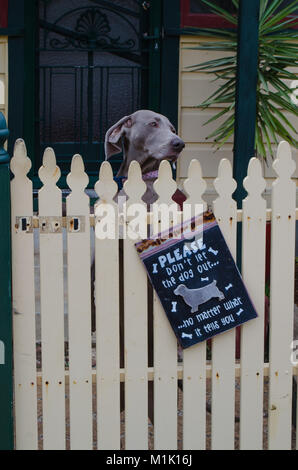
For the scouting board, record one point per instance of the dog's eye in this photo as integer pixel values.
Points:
(153, 124)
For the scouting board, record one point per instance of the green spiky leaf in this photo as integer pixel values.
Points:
(278, 54)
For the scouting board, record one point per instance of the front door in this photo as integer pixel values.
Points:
(92, 68)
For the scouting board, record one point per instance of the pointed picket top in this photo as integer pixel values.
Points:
(134, 186)
(195, 185)
(254, 183)
(165, 186)
(20, 163)
(49, 173)
(77, 179)
(106, 187)
(225, 184)
(284, 165)
(283, 194)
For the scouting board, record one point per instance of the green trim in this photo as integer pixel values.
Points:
(246, 89)
(13, 32)
(245, 107)
(170, 61)
(15, 72)
(154, 74)
(31, 92)
(6, 374)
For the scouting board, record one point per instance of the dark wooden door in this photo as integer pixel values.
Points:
(92, 60)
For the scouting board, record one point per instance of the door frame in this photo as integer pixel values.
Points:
(23, 102)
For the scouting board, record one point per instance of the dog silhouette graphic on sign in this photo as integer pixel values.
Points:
(196, 297)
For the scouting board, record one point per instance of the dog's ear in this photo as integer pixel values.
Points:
(114, 134)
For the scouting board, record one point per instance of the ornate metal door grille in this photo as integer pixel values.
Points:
(92, 63)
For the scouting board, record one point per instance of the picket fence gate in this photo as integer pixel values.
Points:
(44, 389)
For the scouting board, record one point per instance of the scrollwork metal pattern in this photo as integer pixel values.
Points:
(92, 30)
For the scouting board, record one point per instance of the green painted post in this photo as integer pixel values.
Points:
(6, 379)
(170, 60)
(246, 91)
(246, 96)
(154, 74)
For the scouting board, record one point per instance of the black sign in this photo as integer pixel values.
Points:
(196, 280)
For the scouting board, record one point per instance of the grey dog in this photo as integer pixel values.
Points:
(196, 297)
(148, 138)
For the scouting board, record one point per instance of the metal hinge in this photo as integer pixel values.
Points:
(75, 224)
(24, 224)
(50, 224)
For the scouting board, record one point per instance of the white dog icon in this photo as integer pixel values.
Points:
(196, 297)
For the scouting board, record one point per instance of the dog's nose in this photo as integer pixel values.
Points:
(178, 144)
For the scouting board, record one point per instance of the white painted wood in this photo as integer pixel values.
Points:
(25, 384)
(194, 358)
(223, 346)
(252, 332)
(268, 166)
(135, 320)
(165, 347)
(79, 310)
(107, 320)
(195, 187)
(281, 300)
(165, 370)
(52, 309)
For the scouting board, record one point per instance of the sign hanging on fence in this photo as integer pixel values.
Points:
(196, 279)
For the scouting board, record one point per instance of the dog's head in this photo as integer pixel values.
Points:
(147, 136)
(180, 289)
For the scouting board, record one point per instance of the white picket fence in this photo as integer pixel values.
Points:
(88, 396)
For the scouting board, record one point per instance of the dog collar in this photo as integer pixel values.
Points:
(150, 175)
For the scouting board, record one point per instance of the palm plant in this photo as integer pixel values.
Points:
(278, 50)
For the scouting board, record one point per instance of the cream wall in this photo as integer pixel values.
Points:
(194, 87)
(4, 75)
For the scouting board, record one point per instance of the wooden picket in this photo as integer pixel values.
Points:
(79, 307)
(223, 346)
(103, 381)
(107, 319)
(281, 299)
(135, 323)
(52, 304)
(194, 359)
(252, 333)
(23, 301)
(165, 345)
